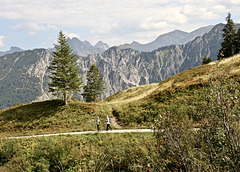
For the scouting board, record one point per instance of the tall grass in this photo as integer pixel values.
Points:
(97, 152)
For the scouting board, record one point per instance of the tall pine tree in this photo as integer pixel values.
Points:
(64, 71)
(238, 41)
(229, 39)
(95, 84)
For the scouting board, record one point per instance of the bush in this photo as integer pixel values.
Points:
(98, 152)
(215, 144)
(206, 60)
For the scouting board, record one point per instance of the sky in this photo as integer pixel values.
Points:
(30, 24)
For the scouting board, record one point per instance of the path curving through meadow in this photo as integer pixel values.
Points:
(85, 132)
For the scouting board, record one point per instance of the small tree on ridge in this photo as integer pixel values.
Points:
(95, 84)
(229, 35)
(64, 70)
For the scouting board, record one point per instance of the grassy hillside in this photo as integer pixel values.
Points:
(206, 97)
(135, 107)
(49, 117)
(188, 77)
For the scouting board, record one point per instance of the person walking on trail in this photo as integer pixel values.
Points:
(98, 124)
(108, 123)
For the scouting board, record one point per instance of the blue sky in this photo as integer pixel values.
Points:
(32, 24)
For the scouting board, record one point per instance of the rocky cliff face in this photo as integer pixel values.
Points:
(24, 75)
(125, 68)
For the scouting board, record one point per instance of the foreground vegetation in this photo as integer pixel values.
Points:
(214, 144)
(195, 115)
(98, 152)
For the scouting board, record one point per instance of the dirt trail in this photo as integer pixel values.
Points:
(114, 123)
(84, 132)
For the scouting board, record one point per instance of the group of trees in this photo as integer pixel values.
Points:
(231, 43)
(64, 76)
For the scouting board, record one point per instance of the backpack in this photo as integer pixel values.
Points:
(110, 120)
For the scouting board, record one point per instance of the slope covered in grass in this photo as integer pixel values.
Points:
(183, 79)
(49, 117)
(206, 97)
(176, 94)
(135, 107)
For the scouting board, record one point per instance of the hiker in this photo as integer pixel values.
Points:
(108, 123)
(98, 124)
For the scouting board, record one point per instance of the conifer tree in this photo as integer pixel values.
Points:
(238, 41)
(229, 39)
(95, 84)
(64, 71)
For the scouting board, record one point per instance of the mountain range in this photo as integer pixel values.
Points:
(176, 37)
(12, 50)
(24, 75)
(85, 48)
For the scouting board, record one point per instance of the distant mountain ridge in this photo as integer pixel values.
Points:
(176, 37)
(12, 50)
(102, 45)
(85, 48)
(24, 75)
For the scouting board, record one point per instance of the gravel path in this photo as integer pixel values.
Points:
(86, 132)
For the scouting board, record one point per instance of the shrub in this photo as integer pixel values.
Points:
(214, 146)
(206, 60)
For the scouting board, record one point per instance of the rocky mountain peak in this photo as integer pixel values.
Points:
(83, 48)
(13, 49)
(101, 45)
(87, 43)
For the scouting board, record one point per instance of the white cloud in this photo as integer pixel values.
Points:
(2, 39)
(151, 23)
(198, 12)
(71, 35)
(51, 27)
(115, 19)
(235, 2)
(220, 8)
(32, 28)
